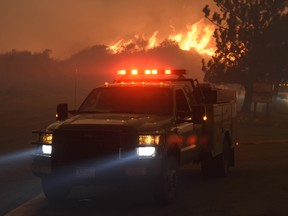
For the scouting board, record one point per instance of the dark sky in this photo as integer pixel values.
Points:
(67, 26)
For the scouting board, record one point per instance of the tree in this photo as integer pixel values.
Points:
(272, 52)
(244, 39)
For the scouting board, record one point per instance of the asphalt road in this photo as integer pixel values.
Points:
(256, 186)
(17, 184)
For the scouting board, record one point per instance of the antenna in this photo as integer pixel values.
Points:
(75, 88)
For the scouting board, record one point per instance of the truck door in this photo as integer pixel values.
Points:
(185, 129)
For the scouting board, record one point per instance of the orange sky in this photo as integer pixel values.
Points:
(67, 26)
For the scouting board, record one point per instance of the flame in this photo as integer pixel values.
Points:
(119, 46)
(197, 36)
(152, 42)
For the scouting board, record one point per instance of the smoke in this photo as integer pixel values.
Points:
(68, 26)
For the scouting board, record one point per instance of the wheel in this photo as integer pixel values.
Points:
(216, 166)
(167, 183)
(222, 161)
(54, 190)
(207, 164)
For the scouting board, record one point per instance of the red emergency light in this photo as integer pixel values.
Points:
(134, 72)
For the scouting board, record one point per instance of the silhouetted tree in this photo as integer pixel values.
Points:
(271, 51)
(246, 42)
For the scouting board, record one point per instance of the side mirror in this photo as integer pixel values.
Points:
(62, 112)
(199, 115)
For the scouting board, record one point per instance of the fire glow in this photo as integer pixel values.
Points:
(197, 36)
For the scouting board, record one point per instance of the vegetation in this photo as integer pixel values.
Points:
(251, 38)
(25, 75)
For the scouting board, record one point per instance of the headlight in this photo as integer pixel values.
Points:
(47, 138)
(147, 151)
(149, 139)
(46, 141)
(47, 149)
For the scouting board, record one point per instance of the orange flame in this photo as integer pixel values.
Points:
(198, 36)
(152, 42)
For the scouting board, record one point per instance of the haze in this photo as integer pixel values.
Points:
(68, 26)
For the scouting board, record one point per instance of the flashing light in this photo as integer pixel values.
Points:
(121, 72)
(152, 72)
(134, 72)
(147, 72)
(167, 72)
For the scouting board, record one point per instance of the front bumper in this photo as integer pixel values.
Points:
(41, 165)
(99, 171)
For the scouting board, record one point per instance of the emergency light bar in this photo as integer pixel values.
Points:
(134, 72)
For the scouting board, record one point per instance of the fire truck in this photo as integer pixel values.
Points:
(141, 128)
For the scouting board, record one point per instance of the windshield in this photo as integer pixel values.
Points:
(144, 100)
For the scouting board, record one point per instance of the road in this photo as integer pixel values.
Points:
(256, 186)
(17, 184)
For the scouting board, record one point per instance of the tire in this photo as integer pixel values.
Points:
(223, 160)
(207, 164)
(167, 182)
(217, 166)
(54, 190)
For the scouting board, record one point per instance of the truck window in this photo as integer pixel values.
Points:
(142, 100)
(181, 102)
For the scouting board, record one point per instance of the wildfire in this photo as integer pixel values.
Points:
(197, 36)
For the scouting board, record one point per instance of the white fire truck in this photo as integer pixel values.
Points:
(141, 128)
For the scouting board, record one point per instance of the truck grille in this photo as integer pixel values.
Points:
(74, 146)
